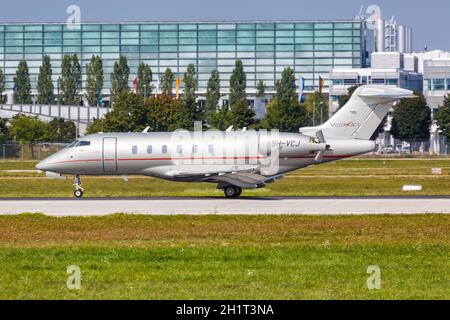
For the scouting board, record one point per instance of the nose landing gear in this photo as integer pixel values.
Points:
(78, 193)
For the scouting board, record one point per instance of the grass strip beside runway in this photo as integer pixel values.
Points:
(364, 177)
(225, 257)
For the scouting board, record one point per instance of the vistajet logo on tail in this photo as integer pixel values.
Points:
(350, 124)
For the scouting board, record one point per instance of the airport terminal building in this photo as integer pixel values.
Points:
(311, 48)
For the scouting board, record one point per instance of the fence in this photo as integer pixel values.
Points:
(416, 147)
(18, 151)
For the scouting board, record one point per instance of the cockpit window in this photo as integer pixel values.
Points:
(73, 144)
(84, 144)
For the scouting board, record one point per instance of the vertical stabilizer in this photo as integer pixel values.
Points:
(362, 114)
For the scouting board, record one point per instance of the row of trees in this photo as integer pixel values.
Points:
(69, 84)
(133, 112)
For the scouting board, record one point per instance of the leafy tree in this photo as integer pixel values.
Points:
(241, 115)
(286, 117)
(4, 130)
(220, 119)
(145, 77)
(131, 114)
(94, 80)
(238, 84)
(70, 83)
(167, 80)
(2, 86)
(189, 97)
(163, 113)
(28, 130)
(45, 85)
(442, 117)
(22, 84)
(317, 107)
(411, 119)
(285, 87)
(128, 114)
(119, 78)
(284, 112)
(96, 126)
(344, 99)
(212, 96)
(260, 89)
(60, 130)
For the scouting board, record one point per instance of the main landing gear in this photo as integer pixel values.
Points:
(78, 193)
(232, 191)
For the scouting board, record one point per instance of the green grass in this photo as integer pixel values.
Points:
(225, 257)
(341, 178)
(317, 186)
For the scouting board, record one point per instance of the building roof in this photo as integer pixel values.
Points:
(185, 21)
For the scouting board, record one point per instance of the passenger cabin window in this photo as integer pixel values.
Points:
(164, 149)
(179, 149)
(149, 149)
(134, 149)
(194, 148)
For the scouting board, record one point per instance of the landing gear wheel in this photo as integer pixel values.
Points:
(78, 189)
(232, 191)
(78, 193)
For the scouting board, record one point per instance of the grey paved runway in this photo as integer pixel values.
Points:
(275, 205)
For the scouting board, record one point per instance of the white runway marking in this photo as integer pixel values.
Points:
(319, 206)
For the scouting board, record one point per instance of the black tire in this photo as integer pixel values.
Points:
(78, 193)
(232, 191)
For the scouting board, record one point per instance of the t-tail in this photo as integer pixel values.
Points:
(362, 114)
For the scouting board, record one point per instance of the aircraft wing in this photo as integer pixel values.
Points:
(201, 170)
(243, 176)
(242, 179)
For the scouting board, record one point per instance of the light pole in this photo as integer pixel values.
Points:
(321, 112)
(59, 98)
(314, 113)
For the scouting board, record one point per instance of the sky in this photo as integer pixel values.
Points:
(429, 19)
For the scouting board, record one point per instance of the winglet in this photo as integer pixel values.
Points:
(229, 129)
(146, 130)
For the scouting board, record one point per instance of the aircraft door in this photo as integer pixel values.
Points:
(109, 154)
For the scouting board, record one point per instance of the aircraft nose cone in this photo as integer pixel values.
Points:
(42, 165)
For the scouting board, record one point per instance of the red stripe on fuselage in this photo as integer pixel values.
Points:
(205, 158)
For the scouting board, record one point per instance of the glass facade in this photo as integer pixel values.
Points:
(439, 84)
(312, 49)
